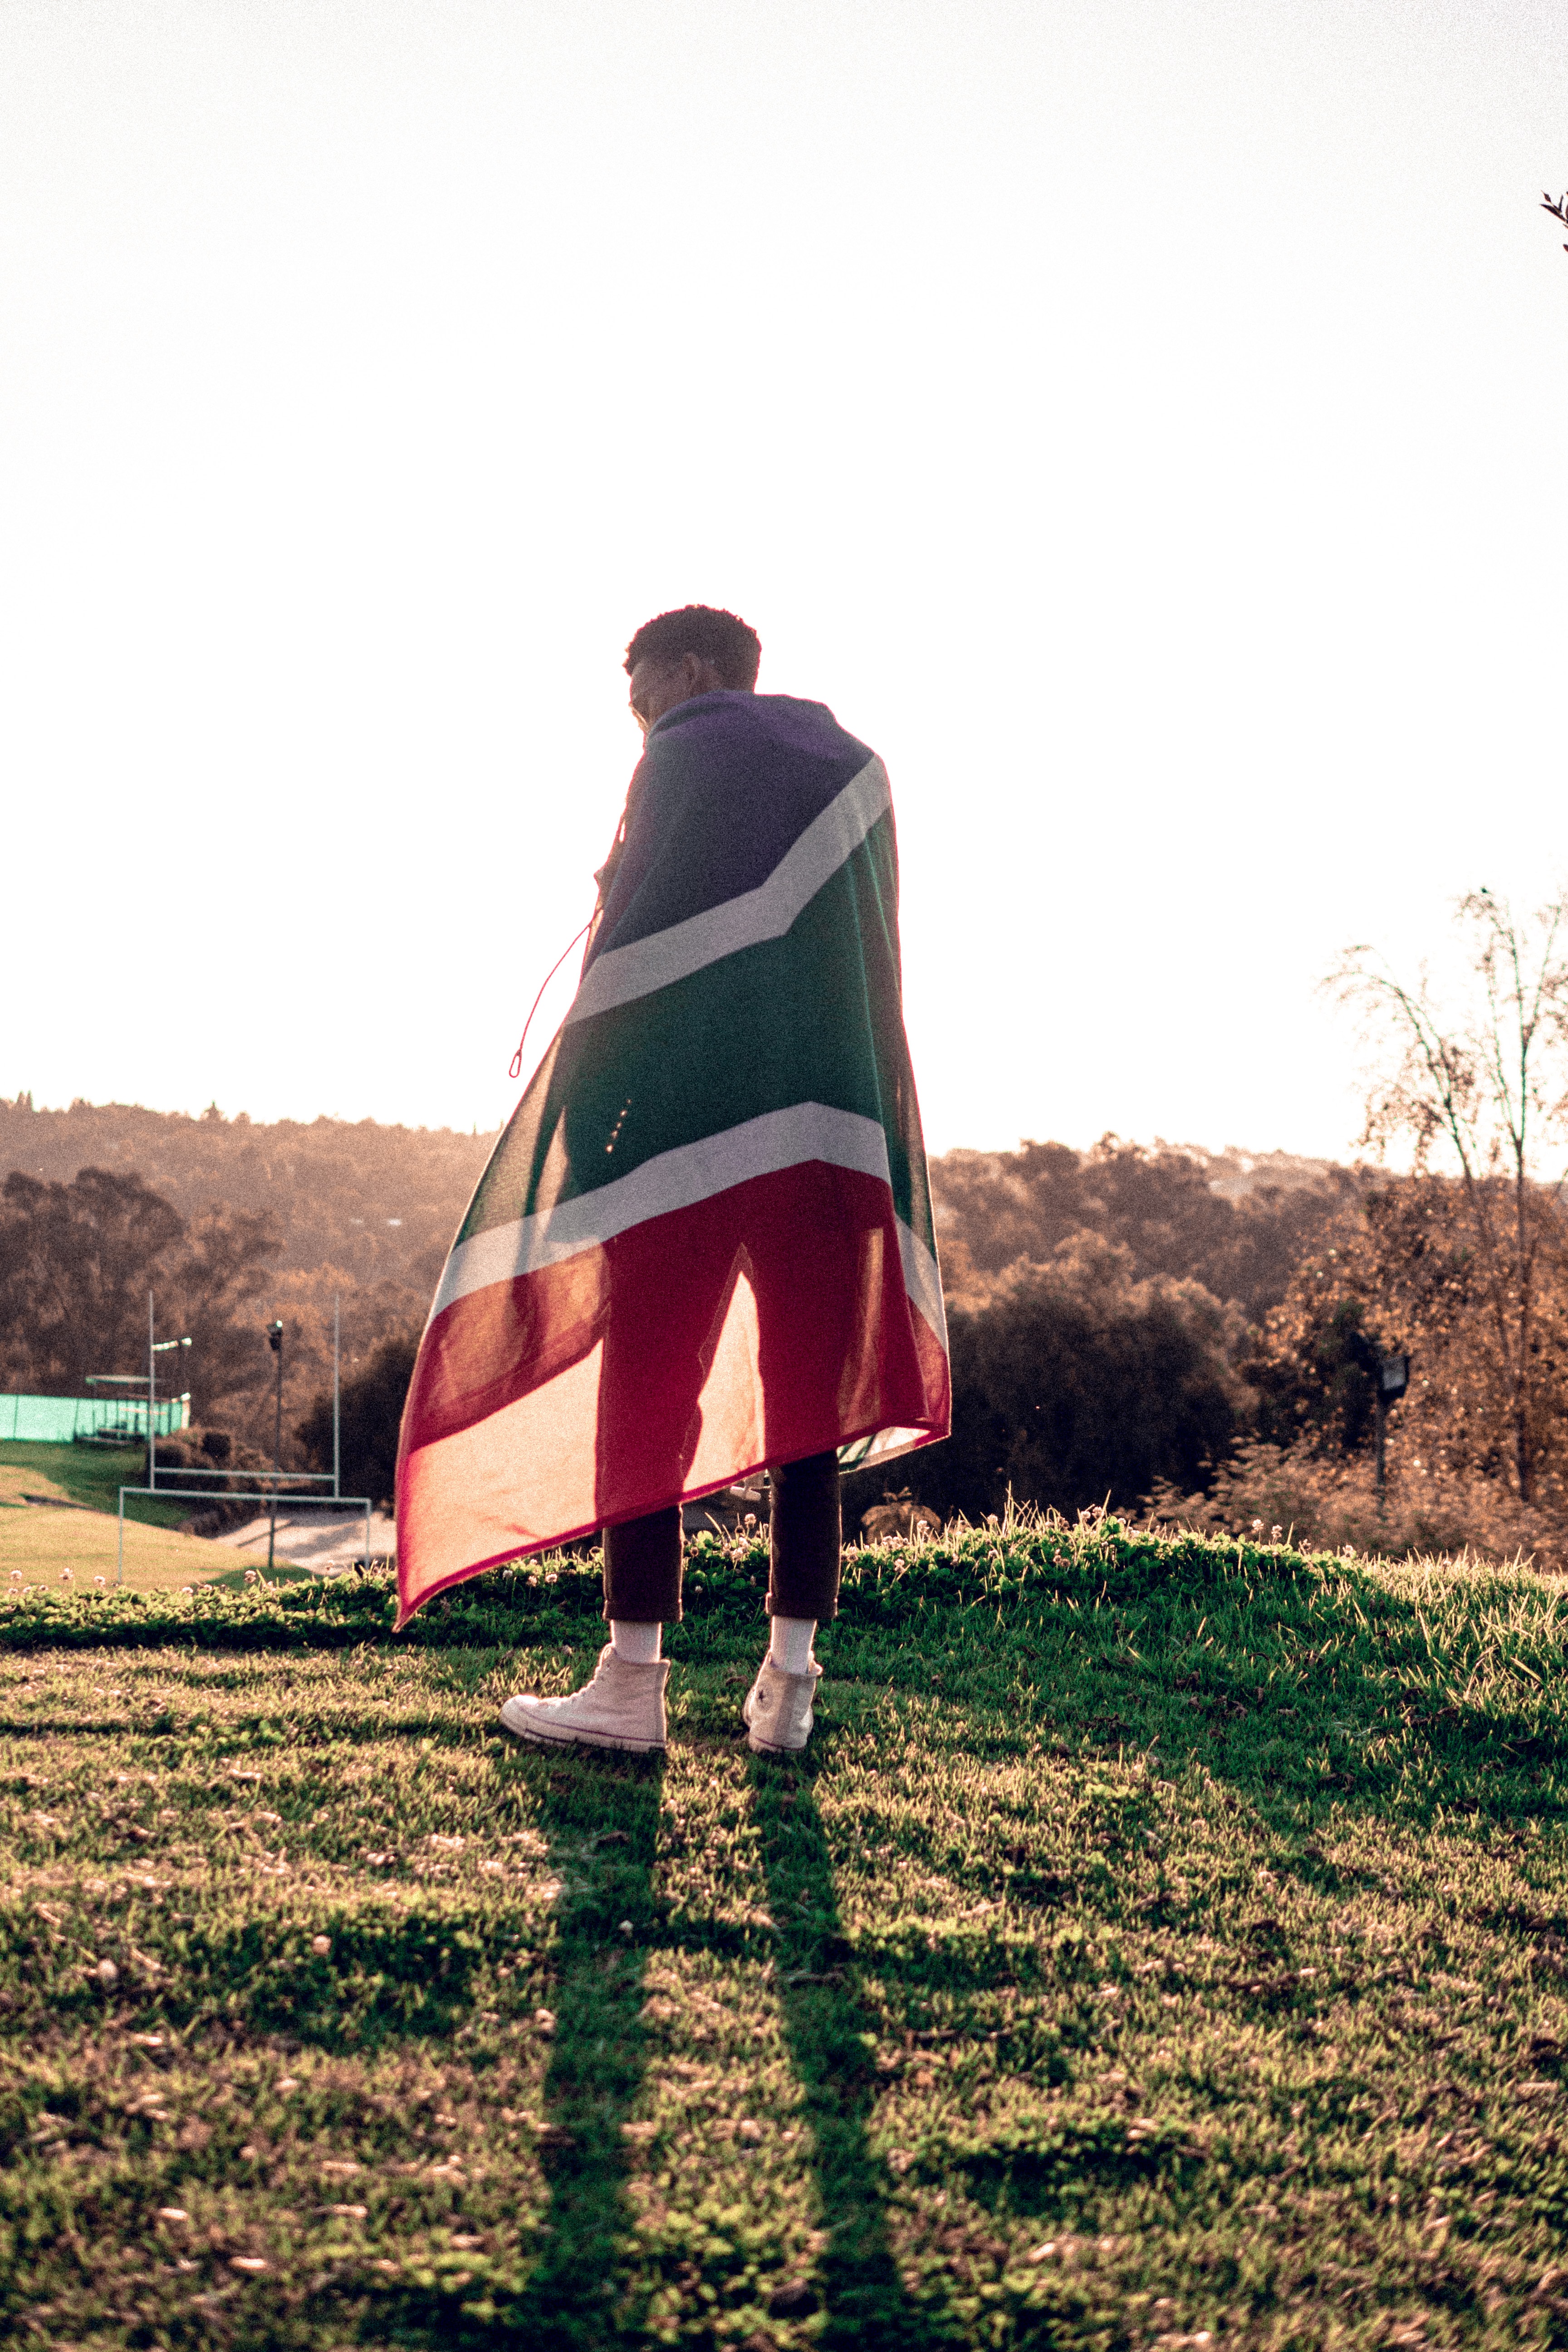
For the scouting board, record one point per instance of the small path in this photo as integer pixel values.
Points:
(326, 1541)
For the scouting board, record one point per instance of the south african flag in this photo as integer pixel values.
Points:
(704, 1241)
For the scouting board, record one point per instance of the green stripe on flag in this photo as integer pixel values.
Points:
(792, 1020)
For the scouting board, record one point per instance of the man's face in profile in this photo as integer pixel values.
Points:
(661, 686)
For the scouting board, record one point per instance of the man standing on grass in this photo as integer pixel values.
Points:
(703, 1243)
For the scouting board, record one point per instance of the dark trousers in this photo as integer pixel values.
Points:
(642, 1557)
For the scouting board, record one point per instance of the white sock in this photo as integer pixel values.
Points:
(637, 1643)
(789, 1644)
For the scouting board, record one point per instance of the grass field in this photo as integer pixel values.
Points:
(37, 1544)
(89, 1476)
(1163, 1943)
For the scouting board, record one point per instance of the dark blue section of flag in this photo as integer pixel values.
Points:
(727, 785)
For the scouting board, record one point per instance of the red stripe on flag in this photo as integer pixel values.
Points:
(766, 1323)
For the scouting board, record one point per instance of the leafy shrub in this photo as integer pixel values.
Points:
(1237, 1226)
(1323, 1502)
(372, 1415)
(1079, 1384)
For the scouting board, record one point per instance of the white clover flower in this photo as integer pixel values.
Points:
(1258, 1527)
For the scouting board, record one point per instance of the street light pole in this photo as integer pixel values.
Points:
(1392, 1379)
(152, 1398)
(275, 1341)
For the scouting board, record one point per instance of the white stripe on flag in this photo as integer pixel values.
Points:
(922, 1280)
(679, 1179)
(765, 913)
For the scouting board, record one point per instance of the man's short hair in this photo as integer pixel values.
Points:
(722, 638)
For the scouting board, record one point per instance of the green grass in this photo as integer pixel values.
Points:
(91, 1477)
(1161, 1940)
(43, 1543)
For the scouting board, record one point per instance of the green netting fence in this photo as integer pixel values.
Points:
(56, 1420)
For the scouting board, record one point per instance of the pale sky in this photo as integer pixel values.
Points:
(1142, 422)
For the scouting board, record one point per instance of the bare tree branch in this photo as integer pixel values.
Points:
(1487, 1085)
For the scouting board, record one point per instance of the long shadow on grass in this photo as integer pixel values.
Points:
(601, 1815)
(867, 2308)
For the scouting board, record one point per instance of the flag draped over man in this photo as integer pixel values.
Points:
(703, 1243)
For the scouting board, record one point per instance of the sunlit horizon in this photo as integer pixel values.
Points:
(1137, 427)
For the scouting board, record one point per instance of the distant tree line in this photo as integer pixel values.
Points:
(79, 1257)
(1091, 1362)
(1237, 1227)
(77, 1261)
(1081, 1383)
(377, 1203)
(1103, 1312)
(1103, 1370)
(1127, 1323)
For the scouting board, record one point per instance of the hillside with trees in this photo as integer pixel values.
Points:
(1136, 1274)
(1237, 1225)
(1151, 1327)
(377, 1203)
(230, 1222)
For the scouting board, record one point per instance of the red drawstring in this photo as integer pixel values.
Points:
(515, 1069)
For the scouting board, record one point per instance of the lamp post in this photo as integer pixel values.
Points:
(1393, 1378)
(151, 1397)
(275, 1341)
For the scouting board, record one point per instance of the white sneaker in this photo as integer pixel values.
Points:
(623, 1707)
(777, 1712)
